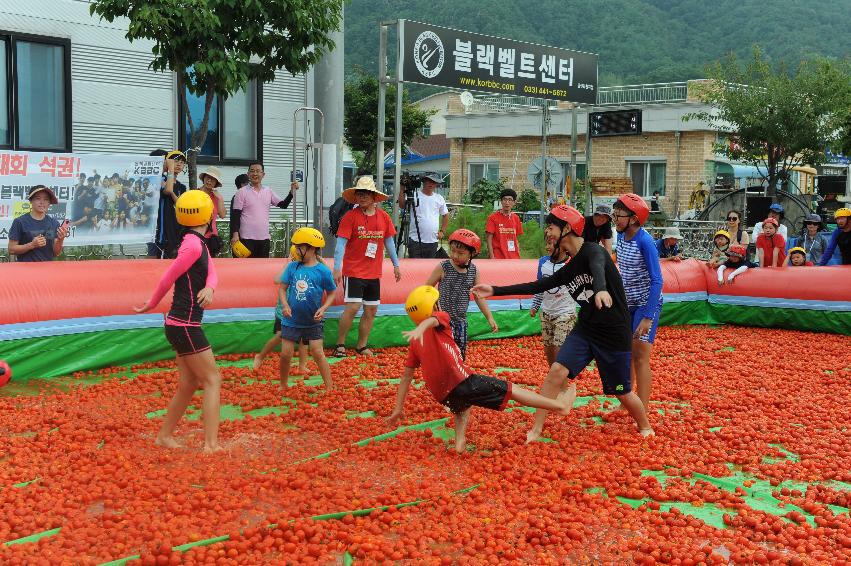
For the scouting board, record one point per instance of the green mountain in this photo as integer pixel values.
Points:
(638, 41)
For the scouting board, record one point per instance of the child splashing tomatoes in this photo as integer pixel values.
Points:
(447, 378)
(454, 278)
(603, 330)
(193, 269)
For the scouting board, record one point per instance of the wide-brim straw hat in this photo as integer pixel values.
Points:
(672, 232)
(365, 183)
(213, 172)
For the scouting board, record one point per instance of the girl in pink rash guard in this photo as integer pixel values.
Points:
(193, 276)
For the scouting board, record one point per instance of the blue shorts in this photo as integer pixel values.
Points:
(636, 320)
(614, 367)
(301, 335)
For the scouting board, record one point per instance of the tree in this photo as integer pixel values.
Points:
(217, 46)
(360, 119)
(528, 200)
(778, 120)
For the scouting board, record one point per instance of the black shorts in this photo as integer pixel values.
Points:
(186, 340)
(258, 248)
(366, 291)
(614, 367)
(277, 327)
(479, 391)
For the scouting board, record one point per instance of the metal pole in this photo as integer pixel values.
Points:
(382, 99)
(589, 204)
(310, 147)
(545, 115)
(574, 114)
(400, 91)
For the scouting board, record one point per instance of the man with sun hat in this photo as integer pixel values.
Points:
(362, 237)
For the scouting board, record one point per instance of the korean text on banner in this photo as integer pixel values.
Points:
(109, 199)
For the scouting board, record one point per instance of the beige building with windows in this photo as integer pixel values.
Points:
(498, 137)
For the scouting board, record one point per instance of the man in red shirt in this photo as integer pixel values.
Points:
(362, 237)
(447, 378)
(503, 228)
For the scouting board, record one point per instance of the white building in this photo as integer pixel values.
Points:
(74, 83)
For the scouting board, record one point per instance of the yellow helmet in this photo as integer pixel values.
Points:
(724, 233)
(842, 212)
(798, 249)
(194, 208)
(420, 303)
(239, 249)
(309, 236)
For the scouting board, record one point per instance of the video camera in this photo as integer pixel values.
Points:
(410, 183)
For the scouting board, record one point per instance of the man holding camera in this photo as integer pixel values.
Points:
(429, 219)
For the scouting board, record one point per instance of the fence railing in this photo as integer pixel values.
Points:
(696, 235)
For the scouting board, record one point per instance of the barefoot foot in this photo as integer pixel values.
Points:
(460, 445)
(565, 399)
(210, 448)
(532, 436)
(167, 442)
(647, 432)
(258, 361)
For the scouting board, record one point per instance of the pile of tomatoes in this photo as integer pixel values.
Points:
(317, 479)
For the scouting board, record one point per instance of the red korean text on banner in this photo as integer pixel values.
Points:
(13, 164)
(62, 166)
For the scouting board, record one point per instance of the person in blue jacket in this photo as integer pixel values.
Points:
(840, 238)
(638, 262)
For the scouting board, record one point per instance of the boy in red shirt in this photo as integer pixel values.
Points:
(503, 228)
(447, 378)
(770, 246)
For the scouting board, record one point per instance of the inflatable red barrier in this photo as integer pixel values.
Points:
(31, 292)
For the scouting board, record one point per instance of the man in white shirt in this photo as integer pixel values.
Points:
(428, 226)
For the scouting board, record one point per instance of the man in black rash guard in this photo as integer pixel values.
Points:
(603, 330)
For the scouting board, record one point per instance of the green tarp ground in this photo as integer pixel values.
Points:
(63, 355)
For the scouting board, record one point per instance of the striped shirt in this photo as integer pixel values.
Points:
(454, 290)
(638, 263)
(555, 302)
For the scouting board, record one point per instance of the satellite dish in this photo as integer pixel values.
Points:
(467, 98)
(535, 174)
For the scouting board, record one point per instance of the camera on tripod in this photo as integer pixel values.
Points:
(410, 183)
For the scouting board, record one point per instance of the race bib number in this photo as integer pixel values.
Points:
(371, 249)
(511, 246)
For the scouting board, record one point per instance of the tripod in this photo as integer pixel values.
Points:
(411, 203)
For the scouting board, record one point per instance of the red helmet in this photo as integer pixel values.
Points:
(466, 237)
(636, 205)
(570, 215)
(738, 249)
(771, 220)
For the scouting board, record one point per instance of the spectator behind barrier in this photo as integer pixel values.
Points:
(770, 245)
(721, 243)
(668, 245)
(250, 212)
(211, 180)
(598, 227)
(776, 212)
(812, 240)
(503, 229)
(797, 258)
(841, 238)
(35, 236)
(738, 235)
(167, 235)
(428, 226)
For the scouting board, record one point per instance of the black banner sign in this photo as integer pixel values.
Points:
(615, 123)
(435, 55)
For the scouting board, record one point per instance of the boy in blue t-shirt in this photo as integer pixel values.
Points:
(638, 262)
(300, 306)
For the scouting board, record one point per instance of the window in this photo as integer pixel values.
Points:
(489, 171)
(234, 129)
(647, 177)
(35, 93)
(426, 130)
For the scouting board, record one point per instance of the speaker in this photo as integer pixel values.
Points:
(757, 209)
